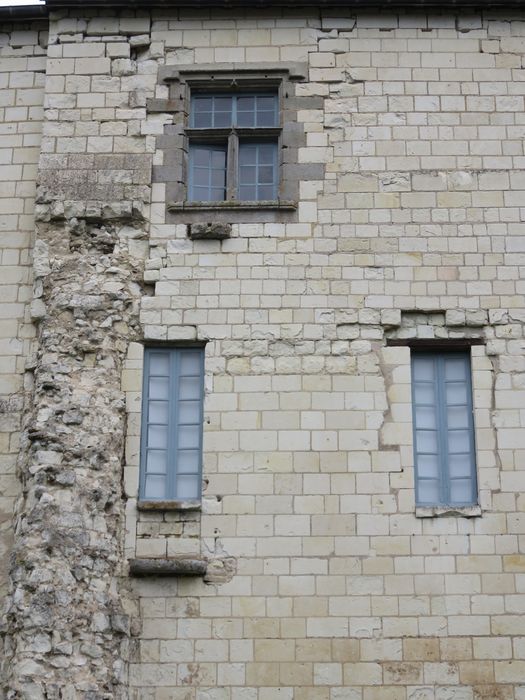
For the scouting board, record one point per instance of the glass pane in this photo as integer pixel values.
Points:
(424, 394)
(216, 194)
(218, 158)
(158, 412)
(155, 487)
(426, 441)
(247, 175)
(426, 417)
(458, 441)
(188, 461)
(158, 436)
(458, 416)
(428, 491)
(159, 363)
(266, 192)
(246, 119)
(201, 157)
(158, 387)
(202, 121)
(461, 491)
(222, 120)
(455, 369)
(247, 193)
(428, 466)
(201, 177)
(266, 153)
(156, 461)
(189, 436)
(247, 154)
(217, 179)
(456, 392)
(460, 465)
(189, 412)
(189, 388)
(245, 104)
(266, 119)
(423, 368)
(266, 174)
(190, 363)
(202, 104)
(188, 487)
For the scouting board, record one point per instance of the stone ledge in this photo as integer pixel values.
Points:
(169, 505)
(176, 566)
(295, 70)
(228, 205)
(442, 511)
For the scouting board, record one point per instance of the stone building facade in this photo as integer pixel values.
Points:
(308, 569)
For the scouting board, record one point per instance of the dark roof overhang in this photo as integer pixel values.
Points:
(30, 11)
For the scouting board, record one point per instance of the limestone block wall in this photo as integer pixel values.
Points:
(323, 581)
(334, 588)
(22, 69)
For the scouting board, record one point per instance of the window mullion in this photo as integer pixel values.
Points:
(442, 430)
(173, 439)
(232, 165)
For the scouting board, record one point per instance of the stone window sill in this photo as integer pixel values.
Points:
(443, 511)
(277, 205)
(176, 566)
(169, 505)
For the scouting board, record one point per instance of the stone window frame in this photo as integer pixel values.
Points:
(282, 77)
(476, 348)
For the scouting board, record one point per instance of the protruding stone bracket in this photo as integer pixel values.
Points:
(176, 566)
(209, 232)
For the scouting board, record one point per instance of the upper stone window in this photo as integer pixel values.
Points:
(233, 149)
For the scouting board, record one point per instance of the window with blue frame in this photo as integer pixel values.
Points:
(172, 415)
(444, 447)
(233, 147)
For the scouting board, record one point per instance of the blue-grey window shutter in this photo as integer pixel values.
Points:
(172, 415)
(444, 447)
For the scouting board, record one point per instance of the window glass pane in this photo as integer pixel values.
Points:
(189, 388)
(426, 441)
(158, 387)
(247, 175)
(266, 192)
(458, 416)
(424, 394)
(460, 465)
(428, 491)
(156, 461)
(159, 363)
(456, 392)
(266, 153)
(188, 461)
(158, 412)
(461, 491)
(155, 487)
(190, 363)
(158, 436)
(426, 417)
(266, 174)
(188, 487)
(248, 193)
(207, 172)
(189, 411)
(423, 369)
(428, 466)
(222, 120)
(189, 436)
(458, 441)
(455, 369)
(247, 154)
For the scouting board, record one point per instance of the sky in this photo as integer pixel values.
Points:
(6, 3)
